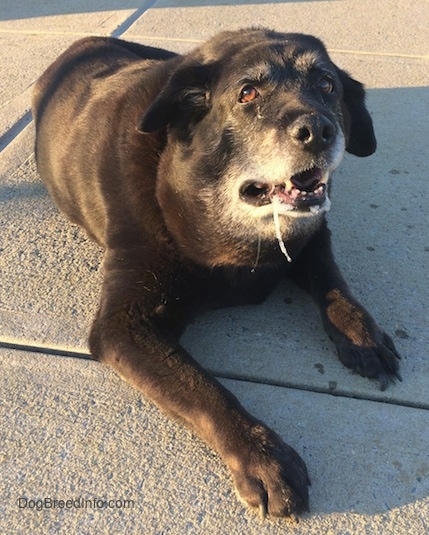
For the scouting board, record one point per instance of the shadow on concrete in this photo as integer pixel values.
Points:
(21, 192)
(23, 9)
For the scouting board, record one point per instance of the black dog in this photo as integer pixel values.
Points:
(206, 178)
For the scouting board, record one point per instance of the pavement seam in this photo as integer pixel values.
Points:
(381, 54)
(63, 352)
(46, 350)
(124, 26)
(320, 390)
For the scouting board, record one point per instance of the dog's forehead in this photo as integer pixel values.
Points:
(290, 64)
(276, 56)
(295, 70)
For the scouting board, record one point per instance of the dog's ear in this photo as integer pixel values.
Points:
(183, 101)
(361, 138)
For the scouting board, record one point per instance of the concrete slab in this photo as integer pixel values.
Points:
(32, 311)
(398, 28)
(31, 55)
(32, 35)
(72, 430)
(63, 16)
(63, 437)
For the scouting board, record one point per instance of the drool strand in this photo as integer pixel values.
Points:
(279, 232)
(258, 254)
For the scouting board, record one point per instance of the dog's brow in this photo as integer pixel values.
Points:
(258, 72)
(309, 59)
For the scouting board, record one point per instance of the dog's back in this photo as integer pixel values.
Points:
(94, 92)
(93, 56)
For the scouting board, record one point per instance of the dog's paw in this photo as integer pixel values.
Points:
(373, 356)
(360, 343)
(378, 360)
(269, 475)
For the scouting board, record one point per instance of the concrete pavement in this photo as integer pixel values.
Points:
(71, 430)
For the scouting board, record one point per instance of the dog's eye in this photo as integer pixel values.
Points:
(326, 85)
(248, 93)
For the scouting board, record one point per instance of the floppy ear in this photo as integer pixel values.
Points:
(183, 100)
(361, 141)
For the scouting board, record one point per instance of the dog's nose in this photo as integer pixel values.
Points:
(314, 132)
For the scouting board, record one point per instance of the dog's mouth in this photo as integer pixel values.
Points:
(303, 191)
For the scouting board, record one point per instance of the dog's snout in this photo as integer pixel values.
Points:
(314, 132)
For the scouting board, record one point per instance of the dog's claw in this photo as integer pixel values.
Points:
(294, 518)
(388, 342)
(384, 382)
(270, 476)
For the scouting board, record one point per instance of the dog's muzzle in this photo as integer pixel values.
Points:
(302, 191)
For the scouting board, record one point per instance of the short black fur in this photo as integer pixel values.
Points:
(150, 152)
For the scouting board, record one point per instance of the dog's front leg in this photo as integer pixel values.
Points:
(361, 344)
(134, 334)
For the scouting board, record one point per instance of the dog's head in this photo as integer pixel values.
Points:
(257, 122)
